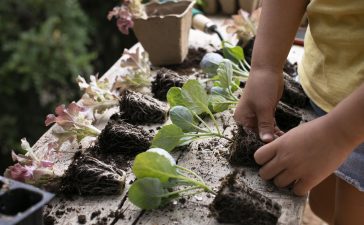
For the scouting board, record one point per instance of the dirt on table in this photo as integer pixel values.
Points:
(237, 203)
(89, 176)
(245, 143)
(287, 117)
(164, 80)
(138, 108)
(121, 137)
(191, 62)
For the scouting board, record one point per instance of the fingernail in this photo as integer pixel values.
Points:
(267, 137)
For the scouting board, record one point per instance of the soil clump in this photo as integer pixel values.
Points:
(164, 80)
(287, 117)
(237, 203)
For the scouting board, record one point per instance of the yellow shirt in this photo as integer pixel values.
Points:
(333, 64)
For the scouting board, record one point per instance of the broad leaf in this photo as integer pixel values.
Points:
(183, 118)
(233, 53)
(195, 97)
(225, 74)
(155, 165)
(218, 103)
(174, 97)
(168, 137)
(145, 193)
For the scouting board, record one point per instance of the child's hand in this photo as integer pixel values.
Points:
(257, 105)
(304, 156)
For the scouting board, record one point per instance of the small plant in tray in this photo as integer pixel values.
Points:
(158, 178)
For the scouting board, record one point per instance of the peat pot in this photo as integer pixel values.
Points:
(210, 6)
(164, 33)
(229, 7)
(21, 204)
(249, 5)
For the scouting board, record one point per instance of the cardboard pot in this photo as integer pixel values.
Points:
(249, 5)
(210, 6)
(229, 6)
(164, 33)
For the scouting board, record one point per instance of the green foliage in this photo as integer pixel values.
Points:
(157, 174)
(43, 47)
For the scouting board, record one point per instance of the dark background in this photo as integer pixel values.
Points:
(44, 45)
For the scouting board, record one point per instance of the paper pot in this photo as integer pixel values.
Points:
(249, 5)
(229, 6)
(210, 6)
(164, 34)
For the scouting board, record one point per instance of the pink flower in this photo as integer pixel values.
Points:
(124, 25)
(124, 18)
(65, 116)
(19, 172)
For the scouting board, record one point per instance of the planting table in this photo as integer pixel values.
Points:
(206, 158)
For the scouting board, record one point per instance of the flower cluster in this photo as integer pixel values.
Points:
(125, 13)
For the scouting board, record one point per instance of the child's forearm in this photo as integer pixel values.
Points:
(277, 28)
(346, 120)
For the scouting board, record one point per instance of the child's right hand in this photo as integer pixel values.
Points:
(258, 102)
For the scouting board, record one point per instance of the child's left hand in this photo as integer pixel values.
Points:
(304, 156)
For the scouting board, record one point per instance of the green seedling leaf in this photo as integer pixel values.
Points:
(218, 103)
(233, 53)
(225, 74)
(183, 118)
(195, 97)
(168, 137)
(174, 97)
(145, 193)
(155, 165)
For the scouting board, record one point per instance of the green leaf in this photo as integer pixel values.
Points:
(168, 137)
(233, 53)
(183, 118)
(195, 97)
(145, 193)
(225, 74)
(155, 165)
(218, 103)
(174, 97)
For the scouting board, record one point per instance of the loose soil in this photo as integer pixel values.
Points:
(137, 108)
(164, 80)
(89, 176)
(237, 203)
(245, 143)
(287, 117)
(121, 137)
(191, 62)
(293, 94)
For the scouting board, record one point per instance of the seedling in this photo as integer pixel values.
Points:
(138, 74)
(74, 123)
(157, 175)
(188, 104)
(98, 95)
(31, 169)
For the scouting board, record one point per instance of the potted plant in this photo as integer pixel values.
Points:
(161, 28)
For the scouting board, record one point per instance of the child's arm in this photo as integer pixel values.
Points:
(311, 152)
(278, 25)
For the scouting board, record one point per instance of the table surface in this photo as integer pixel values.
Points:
(204, 158)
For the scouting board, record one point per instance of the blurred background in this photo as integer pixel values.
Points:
(44, 45)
